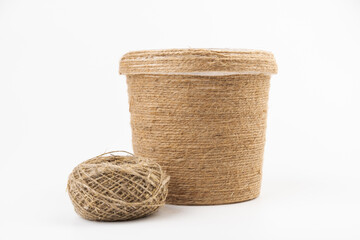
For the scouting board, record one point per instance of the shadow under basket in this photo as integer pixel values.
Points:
(201, 114)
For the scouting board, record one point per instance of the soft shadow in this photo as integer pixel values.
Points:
(165, 212)
(71, 218)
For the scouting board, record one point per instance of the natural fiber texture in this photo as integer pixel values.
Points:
(207, 132)
(115, 188)
(198, 61)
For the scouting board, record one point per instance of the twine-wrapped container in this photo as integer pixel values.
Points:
(201, 114)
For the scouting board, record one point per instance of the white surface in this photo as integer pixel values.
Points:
(62, 102)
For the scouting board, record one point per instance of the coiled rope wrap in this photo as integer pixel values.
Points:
(206, 130)
(114, 188)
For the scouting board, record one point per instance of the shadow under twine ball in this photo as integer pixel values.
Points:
(116, 188)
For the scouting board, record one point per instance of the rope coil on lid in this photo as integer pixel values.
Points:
(198, 61)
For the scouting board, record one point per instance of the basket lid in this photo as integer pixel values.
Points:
(198, 62)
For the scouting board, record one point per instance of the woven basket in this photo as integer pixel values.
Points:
(201, 114)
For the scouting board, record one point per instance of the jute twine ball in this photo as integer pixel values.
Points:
(114, 188)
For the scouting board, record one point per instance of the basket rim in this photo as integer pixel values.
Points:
(198, 61)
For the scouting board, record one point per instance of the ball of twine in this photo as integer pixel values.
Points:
(114, 188)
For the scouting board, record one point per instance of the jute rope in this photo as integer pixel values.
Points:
(207, 132)
(113, 188)
(203, 61)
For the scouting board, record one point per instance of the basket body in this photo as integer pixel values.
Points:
(207, 132)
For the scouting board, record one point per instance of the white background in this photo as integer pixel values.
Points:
(62, 102)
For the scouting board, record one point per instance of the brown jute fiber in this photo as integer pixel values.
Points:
(201, 114)
(114, 188)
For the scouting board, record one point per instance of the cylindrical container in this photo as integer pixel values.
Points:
(201, 114)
